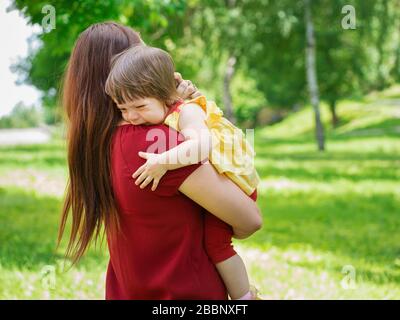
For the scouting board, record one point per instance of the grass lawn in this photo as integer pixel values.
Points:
(331, 220)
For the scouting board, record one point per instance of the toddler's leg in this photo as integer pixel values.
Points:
(218, 244)
(234, 274)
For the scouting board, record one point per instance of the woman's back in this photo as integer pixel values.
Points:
(160, 253)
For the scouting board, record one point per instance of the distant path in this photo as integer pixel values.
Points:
(24, 136)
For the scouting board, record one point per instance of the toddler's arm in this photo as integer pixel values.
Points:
(194, 149)
(197, 144)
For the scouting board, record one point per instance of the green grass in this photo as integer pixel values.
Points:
(324, 213)
(32, 181)
(28, 231)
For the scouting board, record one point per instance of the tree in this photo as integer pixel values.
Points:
(265, 39)
(21, 116)
(44, 66)
(312, 74)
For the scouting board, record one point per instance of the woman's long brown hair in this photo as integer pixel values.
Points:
(91, 118)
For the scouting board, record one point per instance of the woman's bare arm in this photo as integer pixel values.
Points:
(223, 198)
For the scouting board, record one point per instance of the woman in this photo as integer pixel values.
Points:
(154, 238)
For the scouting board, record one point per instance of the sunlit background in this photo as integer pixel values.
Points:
(330, 197)
(14, 34)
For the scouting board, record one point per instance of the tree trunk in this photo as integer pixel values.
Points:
(395, 72)
(335, 118)
(230, 70)
(312, 75)
(382, 36)
(396, 67)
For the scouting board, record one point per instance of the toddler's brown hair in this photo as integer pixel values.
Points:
(139, 72)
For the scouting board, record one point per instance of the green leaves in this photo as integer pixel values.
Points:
(266, 37)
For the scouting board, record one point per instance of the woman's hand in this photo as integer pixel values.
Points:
(185, 88)
(152, 170)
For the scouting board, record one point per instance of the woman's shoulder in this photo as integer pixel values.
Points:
(128, 128)
(130, 139)
(144, 137)
(122, 123)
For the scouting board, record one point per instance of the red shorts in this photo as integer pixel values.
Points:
(218, 237)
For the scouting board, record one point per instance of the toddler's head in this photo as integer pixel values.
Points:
(142, 84)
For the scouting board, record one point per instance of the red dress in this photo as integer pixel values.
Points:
(160, 253)
(217, 234)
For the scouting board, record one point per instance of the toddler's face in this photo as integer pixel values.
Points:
(144, 111)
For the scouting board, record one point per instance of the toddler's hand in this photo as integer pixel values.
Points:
(185, 88)
(152, 170)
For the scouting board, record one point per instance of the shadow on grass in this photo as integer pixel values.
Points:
(51, 154)
(363, 228)
(28, 230)
(381, 129)
(330, 173)
(52, 146)
(45, 161)
(387, 128)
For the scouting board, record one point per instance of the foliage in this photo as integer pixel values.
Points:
(45, 64)
(21, 117)
(266, 37)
